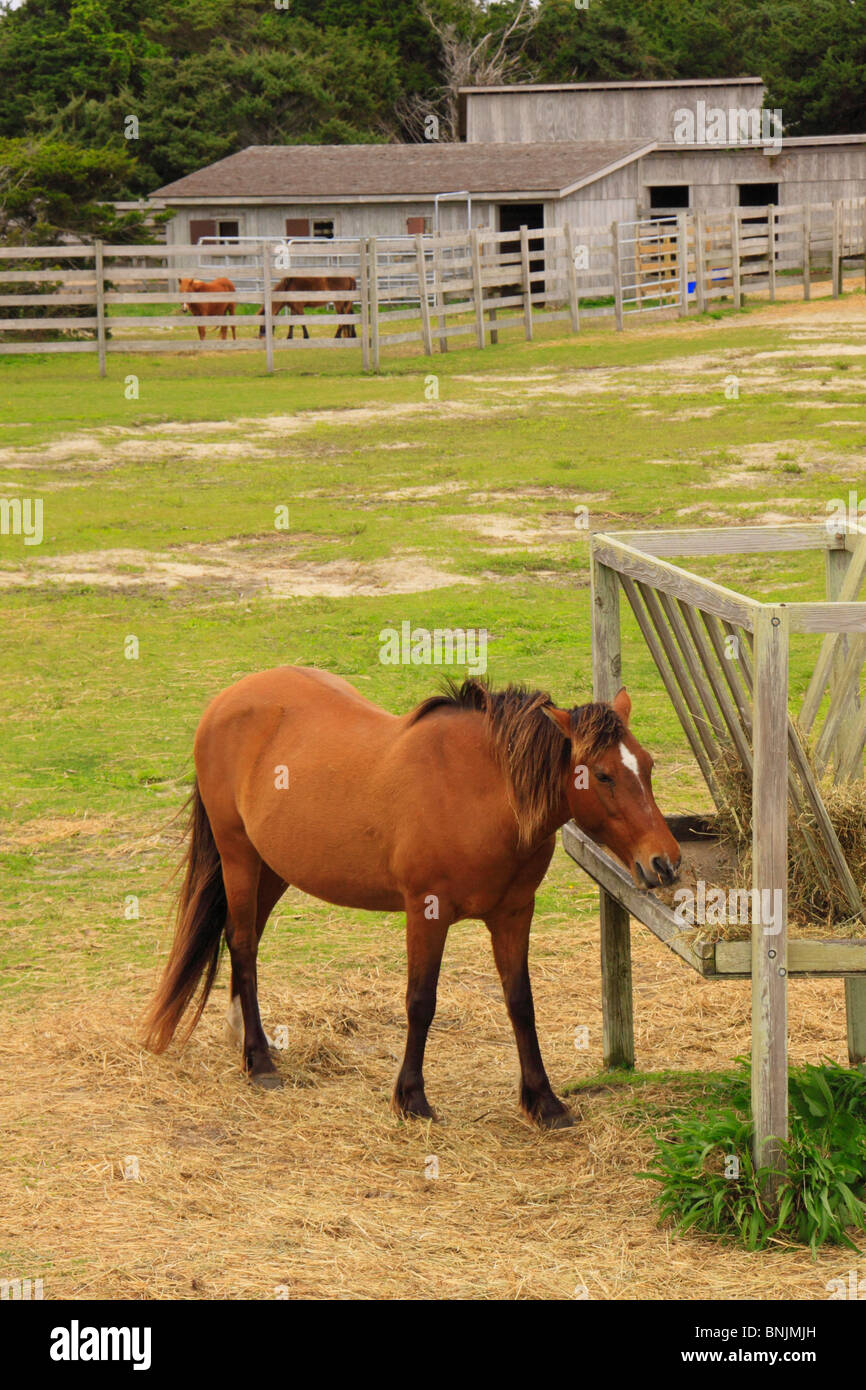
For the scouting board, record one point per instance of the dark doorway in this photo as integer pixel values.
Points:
(758, 195)
(513, 216)
(668, 198)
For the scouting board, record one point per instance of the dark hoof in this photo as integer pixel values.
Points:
(267, 1080)
(564, 1120)
(546, 1111)
(406, 1105)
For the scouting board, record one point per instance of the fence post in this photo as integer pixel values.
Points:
(616, 984)
(807, 251)
(736, 283)
(700, 259)
(364, 292)
(477, 288)
(491, 312)
(855, 1014)
(683, 262)
(617, 273)
(837, 259)
(99, 262)
(421, 265)
(527, 282)
(771, 250)
(571, 273)
(439, 295)
(268, 306)
(373, 270)
(836, 566)
(770, 884)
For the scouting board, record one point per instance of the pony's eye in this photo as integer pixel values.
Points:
(603, 777)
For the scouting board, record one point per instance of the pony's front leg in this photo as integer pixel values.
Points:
(425, 942)
(509, 931)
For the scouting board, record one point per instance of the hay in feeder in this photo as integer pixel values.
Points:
(816, 898)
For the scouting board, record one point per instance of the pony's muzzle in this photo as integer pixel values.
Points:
(662, 872)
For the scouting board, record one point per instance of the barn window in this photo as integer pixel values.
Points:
(297, 226)
(325, 229)
(418, 226)
(667, 197)
(228, 231)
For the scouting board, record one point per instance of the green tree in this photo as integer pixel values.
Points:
(51, 190)
(206, 77)
(815, 65)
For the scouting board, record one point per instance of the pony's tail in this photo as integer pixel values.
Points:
(201, 916)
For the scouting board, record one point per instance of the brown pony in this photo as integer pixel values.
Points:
(208, 311)
(321, 284)
(447, 812)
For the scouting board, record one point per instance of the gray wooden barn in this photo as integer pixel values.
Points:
(583, 153)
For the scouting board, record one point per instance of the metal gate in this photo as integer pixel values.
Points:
(396, 262)
(653, 264)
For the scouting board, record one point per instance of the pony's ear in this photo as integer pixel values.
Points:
(561, 718)
(621, 702)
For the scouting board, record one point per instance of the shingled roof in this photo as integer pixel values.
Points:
(614, 86)
(349, 172)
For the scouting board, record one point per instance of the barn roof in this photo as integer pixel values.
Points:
(788, 142)
(335, 173)
(613, 86)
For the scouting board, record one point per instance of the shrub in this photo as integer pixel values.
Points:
(822, 1195)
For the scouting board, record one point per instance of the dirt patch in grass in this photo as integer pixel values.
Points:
(528, 535)
(224, 565)
(49, 830)
(238, 438)
(754, 462)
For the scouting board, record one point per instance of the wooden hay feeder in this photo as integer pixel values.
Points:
(723, 659)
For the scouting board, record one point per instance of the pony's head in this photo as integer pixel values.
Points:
(189, 286)
(609, 790)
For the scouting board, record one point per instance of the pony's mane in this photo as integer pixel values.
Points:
(527, 744)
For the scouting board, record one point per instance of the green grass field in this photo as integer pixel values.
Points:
(474, 492)
(442, 491)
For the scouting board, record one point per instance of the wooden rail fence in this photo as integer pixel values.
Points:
(427, 292)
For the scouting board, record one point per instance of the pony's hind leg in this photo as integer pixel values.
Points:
(509, 931)
(242, 869)
(271, 889)
(425, 942)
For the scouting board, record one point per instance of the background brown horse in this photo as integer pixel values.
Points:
(216, 311)
(315, 284)
(447, 812)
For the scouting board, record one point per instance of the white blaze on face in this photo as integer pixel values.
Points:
(630, 761)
